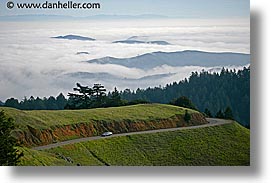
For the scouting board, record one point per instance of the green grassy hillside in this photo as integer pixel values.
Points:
(38, 158)
(44, 119)
(40, 127)
(219, 145)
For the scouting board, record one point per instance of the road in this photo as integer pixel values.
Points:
(212, 122)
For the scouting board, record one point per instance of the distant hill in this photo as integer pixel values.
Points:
(75, 37)
(181, 58)
(83, 53)
(142, 42)
(103, 76)
(44, 17)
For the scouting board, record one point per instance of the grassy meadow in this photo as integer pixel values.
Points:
(225, 145)
(44, 119)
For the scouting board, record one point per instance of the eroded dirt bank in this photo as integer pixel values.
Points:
(33, 137)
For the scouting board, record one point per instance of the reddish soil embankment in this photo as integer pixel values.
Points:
(35, 137)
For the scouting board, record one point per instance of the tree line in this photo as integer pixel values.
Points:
(50, 103)
(83, 97)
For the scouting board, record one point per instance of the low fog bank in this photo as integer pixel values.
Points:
(33, 63)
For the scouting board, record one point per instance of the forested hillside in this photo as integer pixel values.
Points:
(212, 91)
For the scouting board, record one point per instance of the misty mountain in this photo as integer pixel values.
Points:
(37, 17)
(102, 76)
(44, 17)
(83, 53)
(90, 75)
(74, 37)
(142, 42)
(175, 59)
(142, 16)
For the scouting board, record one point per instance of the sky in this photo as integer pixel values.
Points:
(171, 8)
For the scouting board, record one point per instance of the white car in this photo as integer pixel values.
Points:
(106, 134)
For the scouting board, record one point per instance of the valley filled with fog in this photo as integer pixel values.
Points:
(37, 59)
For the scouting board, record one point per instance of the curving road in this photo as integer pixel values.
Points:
(212, 122)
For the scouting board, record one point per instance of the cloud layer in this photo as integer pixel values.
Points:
(32, 63)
